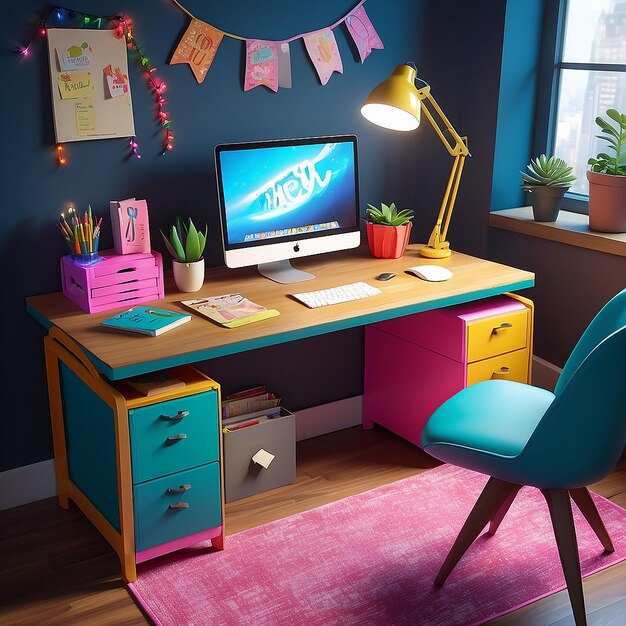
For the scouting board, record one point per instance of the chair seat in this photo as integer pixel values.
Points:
(486, 425)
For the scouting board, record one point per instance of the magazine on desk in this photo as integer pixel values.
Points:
(230, 310)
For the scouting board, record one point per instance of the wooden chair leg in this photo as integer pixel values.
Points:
(496, 520)
(565, 534)
(586, 505)
(493, 496)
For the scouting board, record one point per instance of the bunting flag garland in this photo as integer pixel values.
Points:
(363, 33)
(268, 62)
(322, 48)
(198, 47)
(261, 64)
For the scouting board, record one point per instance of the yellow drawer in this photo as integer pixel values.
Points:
(510, 366)
(497, 335)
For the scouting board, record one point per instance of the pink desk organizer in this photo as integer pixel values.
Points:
(114, 281)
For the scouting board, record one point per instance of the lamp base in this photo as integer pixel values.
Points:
(434, 253)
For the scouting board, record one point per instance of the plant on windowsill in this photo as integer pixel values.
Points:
(186, 244)
(607, 177)
(547, 180)
(388, 230)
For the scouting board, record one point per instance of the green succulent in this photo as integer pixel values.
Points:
(551, 172)
(616, 138)
(388, 215)
(185, 243)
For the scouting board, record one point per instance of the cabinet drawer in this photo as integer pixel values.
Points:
(197, 507)
(496, 335)
(510, 366)
(161, 445)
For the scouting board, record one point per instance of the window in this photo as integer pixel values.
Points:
(589, 77)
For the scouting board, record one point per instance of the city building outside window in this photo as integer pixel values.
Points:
(590, 74)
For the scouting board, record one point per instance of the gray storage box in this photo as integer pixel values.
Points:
(242, 476)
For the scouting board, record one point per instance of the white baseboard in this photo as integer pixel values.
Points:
(328, 418)
(27, 484)
(36, 482)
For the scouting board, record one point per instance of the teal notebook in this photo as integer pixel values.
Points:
(146, 320)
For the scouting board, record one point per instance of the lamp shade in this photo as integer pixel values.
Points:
(395, 104)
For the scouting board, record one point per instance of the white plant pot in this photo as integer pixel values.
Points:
(189, 277)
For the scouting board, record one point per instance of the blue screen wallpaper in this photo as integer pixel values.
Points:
(286, 190)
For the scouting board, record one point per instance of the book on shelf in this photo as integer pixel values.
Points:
(155, 383)
(146, 320)
(241, 406)
(230, 310)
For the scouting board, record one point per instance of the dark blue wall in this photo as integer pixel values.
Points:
(182, 182)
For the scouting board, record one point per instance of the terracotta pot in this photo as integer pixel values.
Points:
(546, 202)
(188, 277)
(607, 202)
(388, 242)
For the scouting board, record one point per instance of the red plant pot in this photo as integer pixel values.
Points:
(388, 242)
(607, 202)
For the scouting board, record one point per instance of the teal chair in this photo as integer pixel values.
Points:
(558, 442)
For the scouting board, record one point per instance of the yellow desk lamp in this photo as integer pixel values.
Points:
(396, 104)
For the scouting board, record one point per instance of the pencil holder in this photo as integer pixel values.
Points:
(88, 258)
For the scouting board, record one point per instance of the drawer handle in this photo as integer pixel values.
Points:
(179, 505)
(501, 327)
(175, 418)
(177, 437)
(503, 371)
(181, 489)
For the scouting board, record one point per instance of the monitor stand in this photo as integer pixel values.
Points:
(283, 272)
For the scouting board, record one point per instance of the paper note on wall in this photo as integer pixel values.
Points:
(75, 85)
(75, 57)
(85, 118)
(116, 81)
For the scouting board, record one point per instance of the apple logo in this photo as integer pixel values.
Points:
(296, 248)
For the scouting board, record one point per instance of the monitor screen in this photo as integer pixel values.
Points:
(287, 198)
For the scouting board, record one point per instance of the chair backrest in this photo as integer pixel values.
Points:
(582, 435)
(610, 317)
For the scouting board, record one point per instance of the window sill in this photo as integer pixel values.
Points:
(570, 228)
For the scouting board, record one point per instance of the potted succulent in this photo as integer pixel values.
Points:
(388, 230)
(186, 244)
(607, 177)
(547, 180)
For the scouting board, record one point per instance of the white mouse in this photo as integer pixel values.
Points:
(432, 273)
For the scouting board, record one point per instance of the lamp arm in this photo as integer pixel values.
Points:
(437, 246)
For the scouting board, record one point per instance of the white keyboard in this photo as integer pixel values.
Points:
(336, 295)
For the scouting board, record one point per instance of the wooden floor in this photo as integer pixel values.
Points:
(55, 568)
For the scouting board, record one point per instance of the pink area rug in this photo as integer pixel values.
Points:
(372, 559)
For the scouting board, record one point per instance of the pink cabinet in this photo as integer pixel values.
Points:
(414, 363)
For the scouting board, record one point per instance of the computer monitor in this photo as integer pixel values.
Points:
(285, 199)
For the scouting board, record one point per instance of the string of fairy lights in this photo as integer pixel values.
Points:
(123, 28)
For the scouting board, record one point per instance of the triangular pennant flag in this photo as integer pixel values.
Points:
(261, 64)
(365, 36)
(324, 54)
(198, 47)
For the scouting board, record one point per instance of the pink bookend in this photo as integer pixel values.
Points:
(114, 281)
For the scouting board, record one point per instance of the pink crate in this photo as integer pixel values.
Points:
(114, 281)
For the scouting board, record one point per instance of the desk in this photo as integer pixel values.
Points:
(119, 356)
(109, 356)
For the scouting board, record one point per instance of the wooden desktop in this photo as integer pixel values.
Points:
(127, 461)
